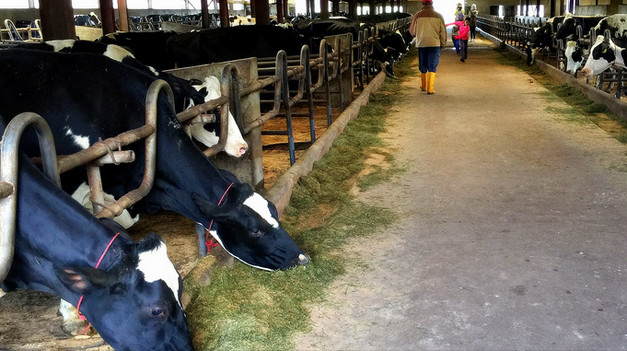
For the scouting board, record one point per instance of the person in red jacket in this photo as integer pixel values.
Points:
(464, 28)
(462, 37)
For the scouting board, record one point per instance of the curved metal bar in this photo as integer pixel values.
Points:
(305, 86)
(9, 160)
(152, 97)
(227, 79)
(285, 95)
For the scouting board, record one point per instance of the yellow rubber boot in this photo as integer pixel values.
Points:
(430, 82)
(423, 81)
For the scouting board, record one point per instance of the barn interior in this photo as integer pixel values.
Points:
(37, 20)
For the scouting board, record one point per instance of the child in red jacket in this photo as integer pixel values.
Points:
(462, 37)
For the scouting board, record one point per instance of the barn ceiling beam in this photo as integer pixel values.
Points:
(57, 19)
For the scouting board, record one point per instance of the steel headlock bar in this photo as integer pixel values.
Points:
(9, 177)
(228, 86)
(148, 131)
(266, 81)
(287, 106)
(305, 85)
(325, 64)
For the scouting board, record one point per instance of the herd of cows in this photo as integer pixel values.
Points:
(605, 48)
(91, 91)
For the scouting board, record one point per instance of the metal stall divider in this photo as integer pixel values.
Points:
(9, 177)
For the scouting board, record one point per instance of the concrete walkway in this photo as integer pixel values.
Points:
(512, 230)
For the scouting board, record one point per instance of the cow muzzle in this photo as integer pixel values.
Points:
(586, 72)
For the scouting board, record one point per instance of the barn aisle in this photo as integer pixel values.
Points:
(512, 226)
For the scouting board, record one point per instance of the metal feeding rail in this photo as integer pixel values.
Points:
(337, 56)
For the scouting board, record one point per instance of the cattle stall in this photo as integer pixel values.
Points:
(327, 80)
(517, 33)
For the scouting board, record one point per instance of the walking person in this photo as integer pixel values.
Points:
(459, 17)
(428, 27)
(462, 39)
(473, 21)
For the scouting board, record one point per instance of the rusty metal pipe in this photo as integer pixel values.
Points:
(133, 196)
(226, 82)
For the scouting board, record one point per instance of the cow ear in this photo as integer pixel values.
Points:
(206, 207)
(83, 280)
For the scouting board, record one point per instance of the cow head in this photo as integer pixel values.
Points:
(574, 56)
(602, 56)
(534, 44)
(249, 224)
(134, 305)
(568, 27)
(209, 134)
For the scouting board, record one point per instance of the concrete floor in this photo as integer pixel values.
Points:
(512, 230)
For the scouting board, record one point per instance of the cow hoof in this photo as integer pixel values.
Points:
(76, 328)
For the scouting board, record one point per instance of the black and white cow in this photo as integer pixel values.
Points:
(541, 37)
(603, 55)
(81, 112)
(570, 23)
(148, 47)
(574, 55)
(133, 297)
(185, 95)
(616, 25)
(225, 44)
(608, 50)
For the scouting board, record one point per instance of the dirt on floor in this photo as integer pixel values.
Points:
(511, 225)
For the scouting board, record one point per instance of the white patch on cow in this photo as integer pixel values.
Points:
(214, 234)
(260, 205)
(235, 143)
(67, 310)
(80, 140)
(615, 21)
(156, 265)
(595, 67)
(117, 53)
(82, 194)
(59, 45)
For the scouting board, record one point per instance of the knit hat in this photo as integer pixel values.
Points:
(427, 1)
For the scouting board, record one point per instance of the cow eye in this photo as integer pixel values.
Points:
(256, 233)
(158, 312)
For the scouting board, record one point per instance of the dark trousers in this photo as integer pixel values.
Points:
(463, 48)
(473, 32)
(456, 45)
(428, 59)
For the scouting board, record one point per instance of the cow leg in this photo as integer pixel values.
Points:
(72, 325)
(2, 293)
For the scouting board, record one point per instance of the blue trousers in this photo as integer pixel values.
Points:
(428, 59)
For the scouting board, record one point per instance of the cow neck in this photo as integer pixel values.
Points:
(97, 265)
